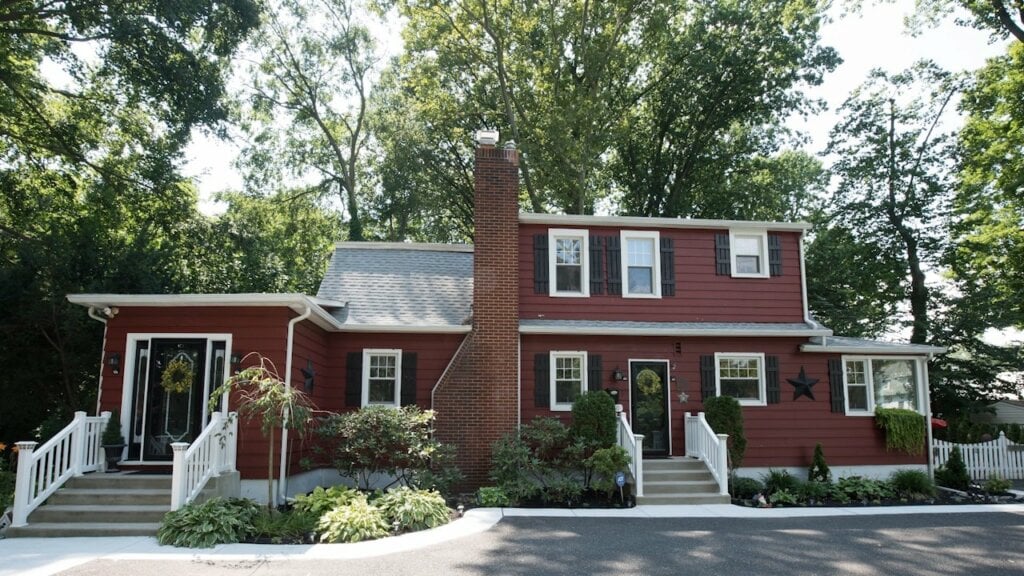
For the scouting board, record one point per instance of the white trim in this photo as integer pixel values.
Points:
(653, 331)
(876, 350)
(803, 279)
(655, 237)
(571, 233)
(553, 371)
(365, 381)
(920, 377)
(408, 328)
(761, 381)
(762, 238)
(645, 222)
(668, 392)
(422, 246)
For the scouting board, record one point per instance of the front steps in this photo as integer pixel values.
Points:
(679, 481)
(116, 504)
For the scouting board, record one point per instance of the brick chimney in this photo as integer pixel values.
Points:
(477, 401)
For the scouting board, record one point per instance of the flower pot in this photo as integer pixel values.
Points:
(113, 455)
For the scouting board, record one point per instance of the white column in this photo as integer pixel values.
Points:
(23, 483)
(723, 463)
(217, 450)
(178, 475)
(78, 443)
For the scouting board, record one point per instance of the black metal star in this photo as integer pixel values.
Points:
(802, 385)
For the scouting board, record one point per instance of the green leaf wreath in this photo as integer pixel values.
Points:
(177, 377)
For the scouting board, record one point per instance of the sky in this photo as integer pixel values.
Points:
(874, 38)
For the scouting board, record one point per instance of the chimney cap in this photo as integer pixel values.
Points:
(487, 137)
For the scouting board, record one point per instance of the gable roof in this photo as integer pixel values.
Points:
(392, 285)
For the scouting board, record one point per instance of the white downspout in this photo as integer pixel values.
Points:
(282, 478)
(103, 352)
(803, 287)
(928, 417)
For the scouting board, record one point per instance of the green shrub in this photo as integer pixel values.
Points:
(605, 463)
(441, 474)
(777, 480)
(1015, 433)
(414, 509)
(860, 488)
(953, 474)
(593, 419)
(491, 497)
(815, 490)
(724, 415)
(216, 521)
(743, 487)
(7, 481)
(819, 472)
(904, 429)
(112, 435)
(284, 527)
(783, 497)
(913, 484)
(997, 484)
(354, 522)
(321, 500)
(541, 460)
(379, 439)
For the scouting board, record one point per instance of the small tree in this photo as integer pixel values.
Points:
(953, 474)
(261, 394)
(112, 435)
(593, 419)
(725, 417)
(819, 472)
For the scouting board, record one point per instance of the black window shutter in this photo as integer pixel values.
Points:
(542, 380)
(668, 267)
(723, 266)
(540, 263)
(594, 378)
(614, 254)
(596, 266)
(835, 385)
(771, 379)
(354, 379)
(774, 255)
(408, 378)
(707, 377)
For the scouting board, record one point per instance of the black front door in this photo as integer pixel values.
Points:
(173, 396)
(649, 382)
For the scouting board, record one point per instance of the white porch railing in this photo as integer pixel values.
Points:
(1000, 456)
(210, 455)
(704, 444)
(72, 452)
(633, 444)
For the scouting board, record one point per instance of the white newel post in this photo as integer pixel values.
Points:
(22, 483)
(216, 450)
(178, 475)
(723, 463)
(80, 439)
(232, 441)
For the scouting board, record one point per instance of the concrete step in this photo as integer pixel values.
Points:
(121, 481)
(674, 464)
(83, 529)
(98, 514)
(677, 475)
(685, 487)
(682, 499)
(111, 496)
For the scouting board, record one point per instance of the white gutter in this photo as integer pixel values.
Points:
(928, 419)
(103, 352)
(648, 331)
(645, 222)
(282, 482)
(803, 285)
(408, 328)
(855, 350)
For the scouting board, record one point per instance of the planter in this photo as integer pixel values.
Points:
(113, 455)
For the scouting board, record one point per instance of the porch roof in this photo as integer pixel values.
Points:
(847, 345)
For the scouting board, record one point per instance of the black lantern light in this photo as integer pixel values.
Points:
(114, 361)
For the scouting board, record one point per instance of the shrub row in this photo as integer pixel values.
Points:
(779, 487)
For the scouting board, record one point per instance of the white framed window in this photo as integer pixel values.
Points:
(741, 375)
(749, 252)
(382, 377)
(641, 264)
(568, 378)
(882, 382)
(568, 262)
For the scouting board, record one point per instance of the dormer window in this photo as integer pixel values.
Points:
(641, 263)
(569, 262)
(749, 254)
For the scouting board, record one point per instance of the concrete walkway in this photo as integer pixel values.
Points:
(45, 556)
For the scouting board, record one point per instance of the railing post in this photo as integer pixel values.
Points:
(217, 450)
(23, 483)
(178, 475)
(78, 443)
(638, 456)
(232, 441)
(723, 463)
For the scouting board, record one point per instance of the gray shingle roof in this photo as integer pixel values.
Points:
(849, 345)
(394, 284)
(549, 326)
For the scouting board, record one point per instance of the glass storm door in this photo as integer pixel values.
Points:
(649, 383)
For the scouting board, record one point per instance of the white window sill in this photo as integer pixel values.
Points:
(569, 295)
(751, 276)
(561, 407)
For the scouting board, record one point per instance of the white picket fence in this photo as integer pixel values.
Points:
(985, 459)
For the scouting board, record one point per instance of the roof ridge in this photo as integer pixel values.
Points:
(425, 246)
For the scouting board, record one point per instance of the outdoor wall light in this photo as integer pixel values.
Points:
(236, 359)
(618, 376)
(114, 361)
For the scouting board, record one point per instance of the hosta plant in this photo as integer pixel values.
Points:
(414, 509)
(354, 522)
(216, 521)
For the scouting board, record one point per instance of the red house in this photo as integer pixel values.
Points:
(540, 308)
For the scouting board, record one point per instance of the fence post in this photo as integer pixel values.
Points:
(723, 464)
(23, 483)
(1003, 455)
(78, 443)
(178, 474)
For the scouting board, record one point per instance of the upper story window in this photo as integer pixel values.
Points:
(741, 376)
(569, 262)
(641, 261)
(568, 378)
(382, 377)
(749, 254)
(881, 383)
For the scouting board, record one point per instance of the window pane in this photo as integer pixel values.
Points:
(640, 252)
(381, 384)
(894, 383)
(858, 396)
(740, 378)
(741, 389)
(748, 264)
(641, 280)
(568, 278)
(568, 251)
(747, 245)
(382, 392)
(568, 378)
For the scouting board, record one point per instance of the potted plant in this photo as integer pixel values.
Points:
(113, 441)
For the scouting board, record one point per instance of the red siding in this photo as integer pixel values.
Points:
(701, 295)
(782, 434)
